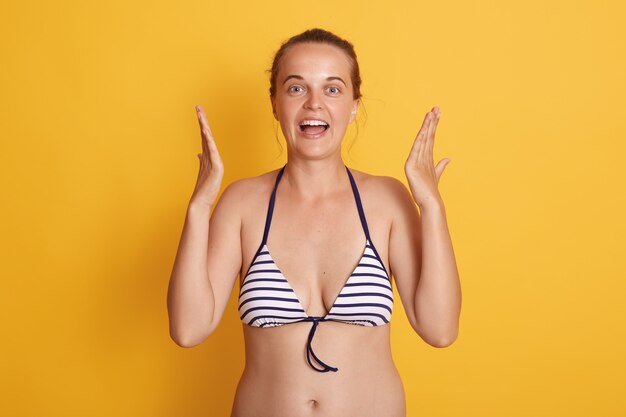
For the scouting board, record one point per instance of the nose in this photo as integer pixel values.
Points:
(313, 101)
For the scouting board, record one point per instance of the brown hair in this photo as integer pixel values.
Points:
(318, 36)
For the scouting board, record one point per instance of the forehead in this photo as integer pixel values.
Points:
(314, 59)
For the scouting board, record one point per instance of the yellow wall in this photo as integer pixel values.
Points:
(98, 161)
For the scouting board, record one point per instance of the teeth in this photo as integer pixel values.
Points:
(313, 123)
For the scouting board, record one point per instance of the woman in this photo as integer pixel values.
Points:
(316, 310)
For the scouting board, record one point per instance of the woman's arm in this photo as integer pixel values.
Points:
(421, 248)
(209, 253)
(422, 262)
(438, 296)
(206, 267)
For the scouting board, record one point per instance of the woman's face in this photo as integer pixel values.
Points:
(314, 98)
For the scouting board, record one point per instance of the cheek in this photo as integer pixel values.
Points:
(343, 112)
(282, 114)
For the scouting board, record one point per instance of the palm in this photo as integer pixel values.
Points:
(422, 175)
(211, 168)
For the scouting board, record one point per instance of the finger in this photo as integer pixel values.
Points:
(433, 125)
(416, 149)
(423, 156)
(208, 144)
(199, 112)
(437, 116)
(214, 155)
(418, 143)
(431, 133)
(204, 122)
(205, 131)
(440, 167)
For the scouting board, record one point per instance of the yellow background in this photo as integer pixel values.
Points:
(98, 161)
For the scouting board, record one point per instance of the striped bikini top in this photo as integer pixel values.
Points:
(266, 299)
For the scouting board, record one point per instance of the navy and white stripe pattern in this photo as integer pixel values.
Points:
(266, 299)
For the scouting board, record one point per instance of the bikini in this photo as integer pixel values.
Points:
(266, 299)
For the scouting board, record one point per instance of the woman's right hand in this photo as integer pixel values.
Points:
(211, 167)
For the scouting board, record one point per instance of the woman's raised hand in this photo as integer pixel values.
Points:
(422, 176)
(211, 167)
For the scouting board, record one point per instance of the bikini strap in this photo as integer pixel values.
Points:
(359, 206)
(270, 209)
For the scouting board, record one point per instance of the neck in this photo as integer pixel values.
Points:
(312, 180)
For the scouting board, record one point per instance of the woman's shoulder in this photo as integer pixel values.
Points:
(385, 192)
(382, 185)
(244, 191)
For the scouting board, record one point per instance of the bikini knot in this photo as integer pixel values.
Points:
(309, 349)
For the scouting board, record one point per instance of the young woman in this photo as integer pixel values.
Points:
(316, 245)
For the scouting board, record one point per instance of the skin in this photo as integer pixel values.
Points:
(316, 239)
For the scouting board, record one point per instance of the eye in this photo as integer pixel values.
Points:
(295, 89)
(334, 90)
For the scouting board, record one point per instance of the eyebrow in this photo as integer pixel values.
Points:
(299, 77)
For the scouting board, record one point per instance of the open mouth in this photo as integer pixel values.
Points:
(313, 126)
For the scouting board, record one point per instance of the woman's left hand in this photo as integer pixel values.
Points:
(423, 177)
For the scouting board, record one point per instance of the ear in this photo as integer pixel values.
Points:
(355, 108)
(274, 109)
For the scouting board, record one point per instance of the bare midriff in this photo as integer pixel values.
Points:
(277, 380)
